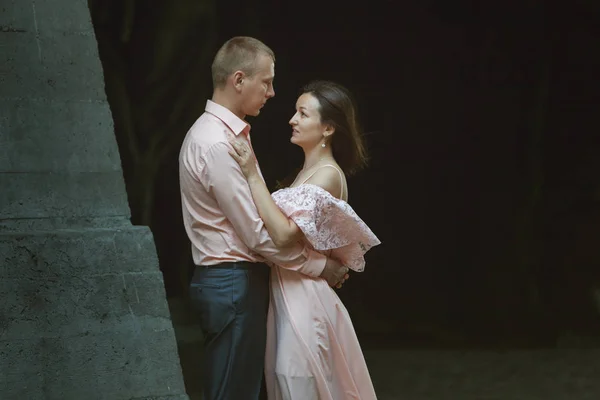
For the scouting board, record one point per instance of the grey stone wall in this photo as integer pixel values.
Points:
(83, 311)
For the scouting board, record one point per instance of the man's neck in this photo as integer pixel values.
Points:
(224, 99)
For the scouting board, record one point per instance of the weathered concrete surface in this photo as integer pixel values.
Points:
(83, 312)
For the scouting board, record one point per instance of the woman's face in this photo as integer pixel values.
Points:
(307, 129)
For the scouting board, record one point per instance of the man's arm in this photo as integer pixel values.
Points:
(225, 180)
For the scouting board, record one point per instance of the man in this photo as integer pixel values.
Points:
(230, 243)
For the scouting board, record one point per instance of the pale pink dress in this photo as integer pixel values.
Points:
(312, 349)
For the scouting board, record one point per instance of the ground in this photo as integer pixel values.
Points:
(485, 375)
(434, 374)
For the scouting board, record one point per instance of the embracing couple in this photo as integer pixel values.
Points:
(266, 265)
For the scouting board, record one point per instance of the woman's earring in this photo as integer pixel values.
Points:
(323, 144)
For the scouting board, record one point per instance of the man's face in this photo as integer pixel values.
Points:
(258, 89)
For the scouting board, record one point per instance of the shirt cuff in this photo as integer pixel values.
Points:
(315, 264)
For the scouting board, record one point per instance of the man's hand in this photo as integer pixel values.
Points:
(334, 273)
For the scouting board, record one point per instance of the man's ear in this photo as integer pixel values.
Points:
(238, 80)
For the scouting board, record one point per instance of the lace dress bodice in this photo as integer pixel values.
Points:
(328, 223)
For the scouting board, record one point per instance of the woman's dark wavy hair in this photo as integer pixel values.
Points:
(338, 109)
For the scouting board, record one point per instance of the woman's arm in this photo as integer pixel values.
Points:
(283, 231)
(328, 178)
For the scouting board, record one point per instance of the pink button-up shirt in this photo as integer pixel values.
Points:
(219, 214)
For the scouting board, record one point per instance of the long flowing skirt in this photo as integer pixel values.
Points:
(312, 348)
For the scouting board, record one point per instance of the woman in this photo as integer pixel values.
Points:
(312, 349)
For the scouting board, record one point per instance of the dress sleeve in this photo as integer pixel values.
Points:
(328, 223)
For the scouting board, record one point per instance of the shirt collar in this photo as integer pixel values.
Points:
(236, 124)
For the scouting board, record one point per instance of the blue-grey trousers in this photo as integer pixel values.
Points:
(232, 301)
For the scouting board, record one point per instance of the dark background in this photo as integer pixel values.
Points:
(482, 124)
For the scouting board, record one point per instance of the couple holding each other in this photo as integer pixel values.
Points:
(266, 264)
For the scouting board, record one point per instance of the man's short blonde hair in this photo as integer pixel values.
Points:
(238, 54)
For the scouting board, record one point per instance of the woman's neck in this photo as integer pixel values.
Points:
(313, 156)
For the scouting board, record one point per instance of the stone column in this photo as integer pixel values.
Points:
(83, 311)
